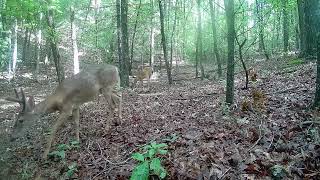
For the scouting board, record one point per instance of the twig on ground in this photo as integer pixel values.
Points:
(260, 137)
(225, 173)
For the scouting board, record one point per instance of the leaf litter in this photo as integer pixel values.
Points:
(207, 139)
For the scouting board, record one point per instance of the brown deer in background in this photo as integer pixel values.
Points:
(67, 98)
(143, 73)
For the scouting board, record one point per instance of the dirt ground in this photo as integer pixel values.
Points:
(212, 140)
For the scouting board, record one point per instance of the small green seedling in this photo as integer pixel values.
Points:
(149, 163)
(71, 169)
(62, 148)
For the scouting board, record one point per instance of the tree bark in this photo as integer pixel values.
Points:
(214, 36)
(285, 26)
(151, 58)
(14, 47)
(76, 66)
(317, 95)
(54, 45)
(118, 9)
(164, 43)
(199, 40)
(229, 6)
(262, 47)
(133, 36)
(24, 48)
(38, 49)
(125, 44)
(311, 14)
(302, 37)
(173, 33)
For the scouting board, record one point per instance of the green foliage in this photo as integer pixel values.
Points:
(60, 153)
(295, 62)
(314, 135)
(278, 172)
(173, 137)
(71, 170)
(149, 163)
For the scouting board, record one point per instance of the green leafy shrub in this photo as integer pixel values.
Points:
(149, 162)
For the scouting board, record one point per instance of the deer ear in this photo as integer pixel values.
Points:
(31, 102)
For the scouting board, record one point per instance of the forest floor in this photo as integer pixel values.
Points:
(206, 139)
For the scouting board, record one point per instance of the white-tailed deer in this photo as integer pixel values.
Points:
(143, 73)
(67, 97)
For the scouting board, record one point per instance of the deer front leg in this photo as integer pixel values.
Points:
(61, 119)
(149, 83)
(75, 117)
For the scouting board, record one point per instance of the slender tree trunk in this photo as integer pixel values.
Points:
(229, 6)
(214, 35)
(96, 11)
(184, 31)
(54, 45)
(262, 47)
(164, 43)
(125, 44)
(199, 40)
(133, 36)
(38, 49)
(317, 95)
(302, 37)
(285, 26)
(76, 67)
(151, 59)
(14, 47)
(118, 9)
(173, 33)
(25, 42)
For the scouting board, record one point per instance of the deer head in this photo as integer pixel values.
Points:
(143, 73)
(24, 116)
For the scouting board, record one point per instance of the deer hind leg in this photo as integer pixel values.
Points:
(75, 117)
(107, 93)
(117, 101)
(63, 116)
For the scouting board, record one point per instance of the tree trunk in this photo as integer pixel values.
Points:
(151, 59)
(54, 45)
(214, 35)
(229, 6)
(125, 44)
(38, 50)
(76, 67)
(311, 10)
(302, 37)
(133, 36)
(199, 40)
(164, 43)
(172, 33)
(285, 26)
(119, 36)
(14, 47)
(24, 48)
(317, 95)
(262, 47)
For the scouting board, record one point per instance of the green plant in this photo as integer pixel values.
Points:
(71, 170)
(295, 62)
(62, 148)
(278, 172)
(149, 162)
